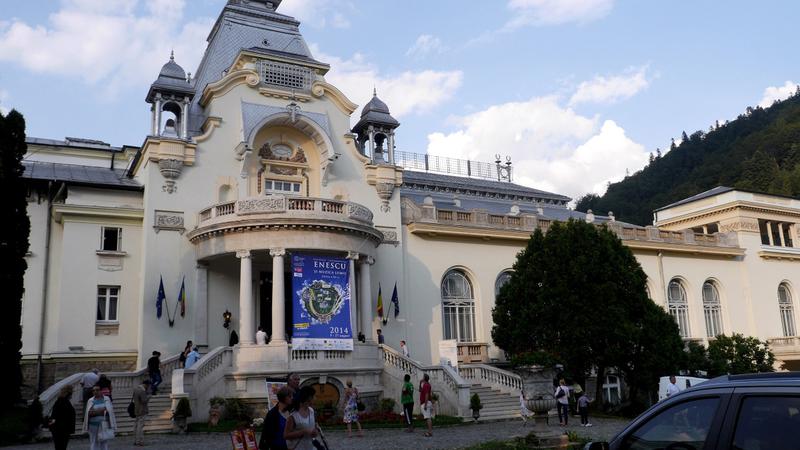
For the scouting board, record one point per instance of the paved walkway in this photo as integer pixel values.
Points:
(452, 437)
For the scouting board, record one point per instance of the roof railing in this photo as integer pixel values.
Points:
(500, 171)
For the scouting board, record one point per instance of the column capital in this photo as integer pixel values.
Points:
(277, 252)
(353, 255)
(243, 254)
(369, 260)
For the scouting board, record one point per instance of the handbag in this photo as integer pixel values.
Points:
(560, 393)
(106, 433)
(132, 410)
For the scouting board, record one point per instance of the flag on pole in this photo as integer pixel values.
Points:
(380, 302)
(396, 301)
(160, 298)
(182, 297)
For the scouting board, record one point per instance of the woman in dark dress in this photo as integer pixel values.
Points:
(275, 422)
(62, 419)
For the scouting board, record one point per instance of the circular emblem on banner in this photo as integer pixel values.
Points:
(322, 300)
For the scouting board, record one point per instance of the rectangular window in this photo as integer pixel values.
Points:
(275, 186)
(107, 303)
(111, 239)
(776, 234)
(712, 228)
(764, 230)
(787, 234)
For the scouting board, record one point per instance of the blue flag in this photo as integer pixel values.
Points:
(161, 298)
(396, 301)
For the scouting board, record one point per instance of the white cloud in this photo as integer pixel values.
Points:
(116, 44)
(425, 45)
(554, 12)
(552, 147)
(409, 92)
(319, 13)
(774, 93)
(611, 89)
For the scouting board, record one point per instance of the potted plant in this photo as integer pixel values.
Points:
(216, 405)
(475, 406)
(183, 410)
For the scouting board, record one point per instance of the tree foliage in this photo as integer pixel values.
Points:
(14, 230)
(732, 355)
(758, 151)
(577, 296)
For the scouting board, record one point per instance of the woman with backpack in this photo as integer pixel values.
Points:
(562, 401)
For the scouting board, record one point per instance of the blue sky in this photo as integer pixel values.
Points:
(576, 91)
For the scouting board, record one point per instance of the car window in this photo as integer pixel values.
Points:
(768, 423)
(684, 426)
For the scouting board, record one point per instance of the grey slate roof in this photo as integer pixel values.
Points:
(172, 78)
(376, 112)
(709, 193)
(92, 144)
(412, 177)
(81, 175)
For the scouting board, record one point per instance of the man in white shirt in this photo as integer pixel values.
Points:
(87, 383)
(404, 349)
(261, 336)
(672, 388)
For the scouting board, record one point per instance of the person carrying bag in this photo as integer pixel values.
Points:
(99, 420)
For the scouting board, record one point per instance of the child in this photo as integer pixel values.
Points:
(583, 409)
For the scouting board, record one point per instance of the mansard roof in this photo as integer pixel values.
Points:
(437, 182)
(80, 175)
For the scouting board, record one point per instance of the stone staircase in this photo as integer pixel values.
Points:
(497, 405)
(159, 420)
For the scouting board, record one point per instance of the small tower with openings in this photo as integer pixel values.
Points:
(375, 131)
(171, 93)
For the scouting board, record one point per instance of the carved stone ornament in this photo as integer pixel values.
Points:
(262, 205)
(385, 191)
(169, 220)
(170, 170)
(282, 170)
(359, 212)
(298, 156)
(389, 236)
(742, 225)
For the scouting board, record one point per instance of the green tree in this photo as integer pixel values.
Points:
(695, 361)
(739, 354)
(758, 172)
(14, 231)
(577, 296)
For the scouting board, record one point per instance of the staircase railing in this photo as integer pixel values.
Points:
(121, 383)
(493, 377)
(452, 389)
(201, 382)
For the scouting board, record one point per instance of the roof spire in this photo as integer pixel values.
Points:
(172, 55)
(374, 91)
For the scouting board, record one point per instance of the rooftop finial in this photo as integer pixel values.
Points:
(172, 55)
(374, 91)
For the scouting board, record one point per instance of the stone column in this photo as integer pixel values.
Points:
(353, 257)
(184, 119)
(365, 290)
(246, 306)
(278, 299)
(201, 306)
(391, 147)
(158, 115)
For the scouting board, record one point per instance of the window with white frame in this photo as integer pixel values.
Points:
(502, 280)
(787, 310)
(107, 303)
(678, 306)
(611, 390)
(712, 309)
(458, 307)
(111, 239)
(282, 187)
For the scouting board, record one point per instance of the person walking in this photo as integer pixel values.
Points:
(275, 423)
(407, 400)
(404, 349)
(381, 339)
(88, 381)
(192, 358)
(261, 336)
(426, 403)
(99, 413)
(301, 427)
(62, 418)
(351, 409)
(583, 409)
(141, 396)
(185, 354)
(293, 384)
(562, 402)
(105, 386)
(672, 388)
(154, 370)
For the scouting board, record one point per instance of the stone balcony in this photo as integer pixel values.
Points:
(784, 347)
(286, 213)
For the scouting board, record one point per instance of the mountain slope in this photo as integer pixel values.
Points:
(759, 151)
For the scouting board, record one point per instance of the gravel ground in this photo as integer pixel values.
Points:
(452, 437)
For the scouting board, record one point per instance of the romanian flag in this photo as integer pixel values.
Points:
(160, 298)
(182, 297)
(380, 302)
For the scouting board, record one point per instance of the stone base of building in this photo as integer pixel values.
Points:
(57, 367)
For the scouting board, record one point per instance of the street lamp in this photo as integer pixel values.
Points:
(226, 319)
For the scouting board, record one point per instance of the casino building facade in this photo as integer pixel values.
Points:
(254, 161)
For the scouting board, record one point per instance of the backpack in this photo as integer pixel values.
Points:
(132, 410)
(561, 392)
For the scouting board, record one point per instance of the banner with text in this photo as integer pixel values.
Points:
(321, 296)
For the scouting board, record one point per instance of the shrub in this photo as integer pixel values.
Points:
(235, 409)
(216, 401)
(475, 402)
(183, 408)
(387, 405)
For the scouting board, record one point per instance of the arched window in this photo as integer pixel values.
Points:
(501, 281)
(711, 309)
(787, 310)
(678, 307)
(458, 306)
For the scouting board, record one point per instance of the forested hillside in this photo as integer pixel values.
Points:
(758, 151)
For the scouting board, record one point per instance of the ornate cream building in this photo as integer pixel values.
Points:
(255, 159)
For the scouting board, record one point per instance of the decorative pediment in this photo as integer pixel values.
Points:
(282, 152)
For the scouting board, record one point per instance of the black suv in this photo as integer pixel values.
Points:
(738, 412)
